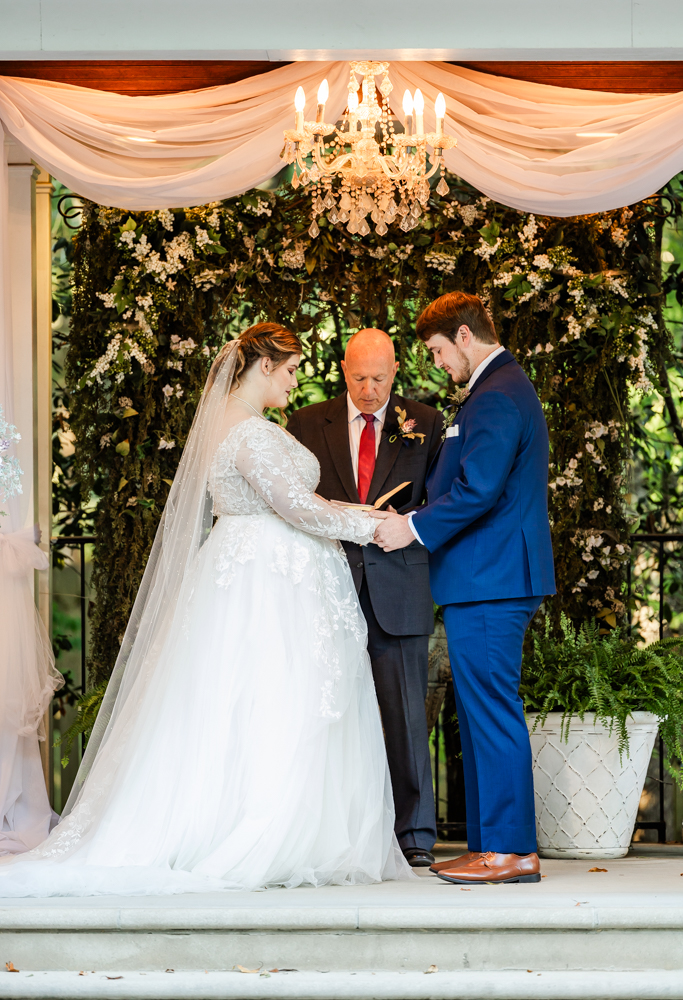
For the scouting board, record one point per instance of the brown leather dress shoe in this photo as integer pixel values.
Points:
(454, 862)
(491, 868)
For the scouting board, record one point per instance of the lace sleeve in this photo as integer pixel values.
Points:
(264, 460)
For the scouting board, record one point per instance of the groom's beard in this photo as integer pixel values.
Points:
(461, 370)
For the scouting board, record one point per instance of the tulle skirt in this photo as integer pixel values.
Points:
(252, 754)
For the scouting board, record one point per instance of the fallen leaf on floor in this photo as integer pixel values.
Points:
(170, 970)
(432, 968)
(273, 970)
(10, 967)
(265, 975)
(243, 968)
(286, 970)
(81, 973)
(544, 876)
(113, 977)
(465, 890)
(529, 970)
(597, 869)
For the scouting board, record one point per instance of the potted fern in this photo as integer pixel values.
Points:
(594, 704)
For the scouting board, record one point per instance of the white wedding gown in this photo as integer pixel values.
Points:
(253, 755)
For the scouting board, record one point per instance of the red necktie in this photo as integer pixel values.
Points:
(366, 456)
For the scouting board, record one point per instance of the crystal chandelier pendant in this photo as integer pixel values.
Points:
(379, 164)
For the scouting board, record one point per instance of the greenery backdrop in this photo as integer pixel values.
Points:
(579, 302)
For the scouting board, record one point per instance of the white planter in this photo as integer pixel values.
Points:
(586, 799)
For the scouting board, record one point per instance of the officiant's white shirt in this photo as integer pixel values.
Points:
(356, 425)
(473, 378)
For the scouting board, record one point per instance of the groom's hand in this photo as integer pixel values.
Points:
(393, 531)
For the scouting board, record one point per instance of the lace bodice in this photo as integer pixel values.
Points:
(260, 468)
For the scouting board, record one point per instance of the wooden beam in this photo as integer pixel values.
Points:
(167, 76)
(615, 77)
(137, 78)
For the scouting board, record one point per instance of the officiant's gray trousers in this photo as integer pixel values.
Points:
(399, 667)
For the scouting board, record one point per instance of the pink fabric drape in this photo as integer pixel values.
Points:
(517, 141)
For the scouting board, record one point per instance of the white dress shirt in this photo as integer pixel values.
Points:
(473, 378)
(356, 425)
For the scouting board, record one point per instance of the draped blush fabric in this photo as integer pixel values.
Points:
(517, 141)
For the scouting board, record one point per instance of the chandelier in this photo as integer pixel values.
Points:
(380, 164)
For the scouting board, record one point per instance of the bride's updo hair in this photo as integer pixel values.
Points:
(265, 340)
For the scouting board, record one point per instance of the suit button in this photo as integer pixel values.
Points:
(359, 565)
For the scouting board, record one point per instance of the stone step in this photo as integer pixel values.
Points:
(629, 917)
(510, 985)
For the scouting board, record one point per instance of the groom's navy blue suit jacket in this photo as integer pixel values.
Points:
(486, 522)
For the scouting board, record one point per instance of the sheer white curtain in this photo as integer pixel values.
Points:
(520, 143)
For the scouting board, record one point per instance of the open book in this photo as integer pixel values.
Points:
(399, 496)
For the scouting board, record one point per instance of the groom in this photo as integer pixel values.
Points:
(357, 440)
(491, 563)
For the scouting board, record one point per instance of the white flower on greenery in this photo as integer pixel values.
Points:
(486, 250)
(527, 236)
(107, 298)
(177, 365)
(594, 573)
(579, 586)
(178, 250)
(125, 402)
(205, 351)
(182, 347)
(165, 445)
(615, 283)
(468, 214)
(214, 220)
(132, 501)
(127, 237)
(142, 249)
(619, 235)
(145, 301)
(202, 237)
(105, 440)
(295, 257)
(167, 391)
(165, 217)
(598, 504)
(543, 262)
(10, 470)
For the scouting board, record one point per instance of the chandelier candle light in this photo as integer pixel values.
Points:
(381, 171)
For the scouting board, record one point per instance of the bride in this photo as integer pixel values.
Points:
(239, 745)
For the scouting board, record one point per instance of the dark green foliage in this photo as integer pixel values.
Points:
(576, 300)
(582, 670)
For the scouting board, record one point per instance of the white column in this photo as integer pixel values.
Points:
(30, 227)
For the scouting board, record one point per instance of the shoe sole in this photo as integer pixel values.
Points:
(494, 881)
(419, 864)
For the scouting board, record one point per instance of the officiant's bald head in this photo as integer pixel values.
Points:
(369, 368)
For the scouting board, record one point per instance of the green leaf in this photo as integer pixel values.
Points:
(129, 412)
(129, 225)
(123, 448)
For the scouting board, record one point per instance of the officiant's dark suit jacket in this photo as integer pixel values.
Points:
(398, 582)
(394, 594)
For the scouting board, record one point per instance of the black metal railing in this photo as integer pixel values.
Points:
(78, 542)
(660, 540)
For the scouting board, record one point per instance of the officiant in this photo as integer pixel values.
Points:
(362, 442)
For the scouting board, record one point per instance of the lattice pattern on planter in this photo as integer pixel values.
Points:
(586, 798)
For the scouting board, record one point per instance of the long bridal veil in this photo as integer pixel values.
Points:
(166, 585)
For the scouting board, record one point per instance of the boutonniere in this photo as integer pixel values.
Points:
(457, 399)
(406, 428)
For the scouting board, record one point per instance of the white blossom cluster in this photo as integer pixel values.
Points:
(260, 208)
(165, 217)
(486, 250)
(116, 360)
(182, 347)
(165, 445)
(295, 257)
(10, 470)
(569, 477)
(442, 260)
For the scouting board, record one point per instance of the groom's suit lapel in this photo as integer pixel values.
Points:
(336, 433)
(503, 359)
(388, 450)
